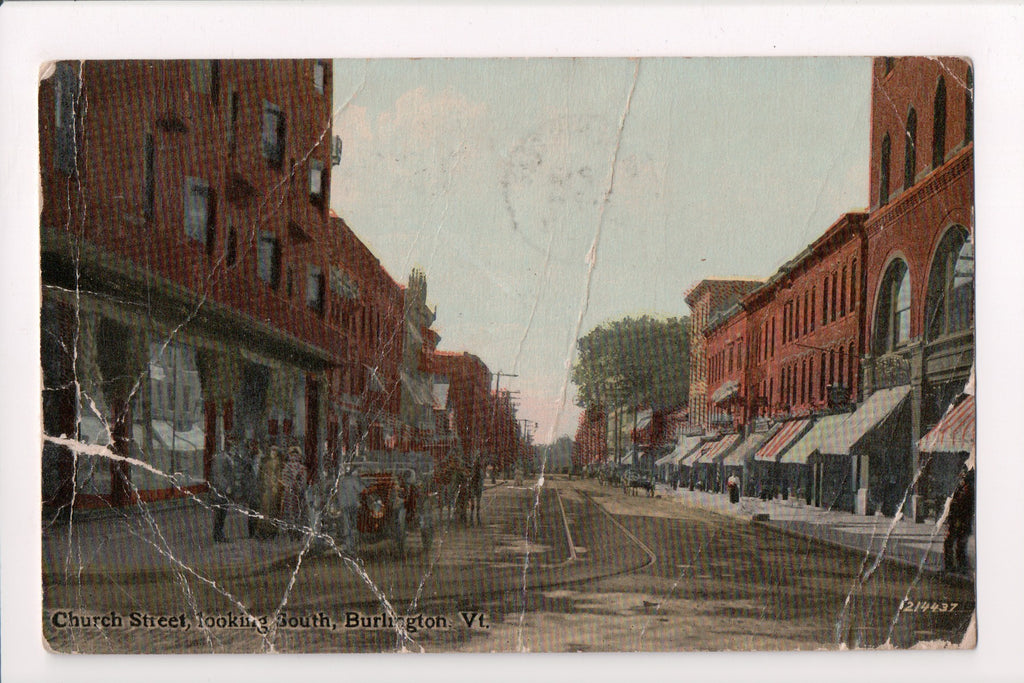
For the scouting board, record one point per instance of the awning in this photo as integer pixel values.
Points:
(667, 459)
(726, 391)
(955, 431)
(869, 415)
(803, 448)
(643, 418)
(789, 433)
(721, 448)
(701, 456)
(746, 450)
(687, 447)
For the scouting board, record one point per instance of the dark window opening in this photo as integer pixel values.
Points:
(315, 289)
(969, 107)
(199, 210)
(268, 259)
(939, 125)
(910, 150)
(842, 294)
(204, 76)
(231, 247)
(65, 105)
(273, 134)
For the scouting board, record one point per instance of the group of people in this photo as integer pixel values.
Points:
(268, 487)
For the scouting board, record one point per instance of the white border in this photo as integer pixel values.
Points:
(31, 33)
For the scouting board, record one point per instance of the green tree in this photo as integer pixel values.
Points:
(634, 362)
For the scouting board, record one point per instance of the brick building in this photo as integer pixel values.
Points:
(466, 383)
(706, 299)
(920, 255)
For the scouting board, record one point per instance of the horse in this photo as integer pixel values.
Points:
(475, 490)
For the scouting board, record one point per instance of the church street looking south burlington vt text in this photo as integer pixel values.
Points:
(372, 356)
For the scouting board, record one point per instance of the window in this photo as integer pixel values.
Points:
(796, 319)
(803, 381)
(832, 300)
(832, 367)
(821, 379)
(204, 76)
(939, 125)
(810, 379)
(969, 107)
(892, 316)
(319, 71)
(273, 134)
(950, 301)
(268, 259)
(807, 312)
(316, 182)
(887, 65)
(65, 103)
(814, 305)
(198, 209)
(852, 365)
(839, 372)
(148, 178)
(910, 150)
(315, 289)
(842, 294)
(231, 246)
(883, 171)
(824, 302)
(853, 284)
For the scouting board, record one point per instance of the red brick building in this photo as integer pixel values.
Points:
(467, 383)
(920, 257)
(590, 444)
(727, 356)
(805, 327)
(706, 299)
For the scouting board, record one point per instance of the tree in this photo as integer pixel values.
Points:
(633, 362)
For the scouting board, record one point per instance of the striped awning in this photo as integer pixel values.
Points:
(667, 459)
(955, 431)
(879, 406)
(688, 448)
(802, 449)
(745, 451)
(789, 433)
(701, 455)
(719, 449)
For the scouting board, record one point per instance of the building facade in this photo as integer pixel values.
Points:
(920, 233)
(706, 299)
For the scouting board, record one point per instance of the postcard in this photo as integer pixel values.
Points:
(507, 355)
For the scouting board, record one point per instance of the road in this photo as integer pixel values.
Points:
(571, 567)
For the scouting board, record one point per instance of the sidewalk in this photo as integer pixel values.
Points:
(160, 540)
(903, 541)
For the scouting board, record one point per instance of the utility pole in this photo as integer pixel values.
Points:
(494, 414)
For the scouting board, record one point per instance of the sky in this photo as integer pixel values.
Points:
(543, 197)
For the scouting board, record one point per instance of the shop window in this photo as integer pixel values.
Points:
(65, 103)
(910, 150)
(950, 302)
(273, 134)
(883, 171)
(892, 316)
(315, 289)
(268, 259)
(173, 411)
(198, 209)
(939, 125)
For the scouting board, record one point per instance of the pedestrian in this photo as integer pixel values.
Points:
(246, 489)
(270, 493)
(959, 521)
(733, 483)
(293, 492)
(222, 481)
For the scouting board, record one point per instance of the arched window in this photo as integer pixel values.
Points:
(939, 125)
(840, 375)
(969, 107)
(853, 363)
(949, 307)
(883, 171)
(892, 313)
(821, 379)
(910, 150)
(842, 294)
